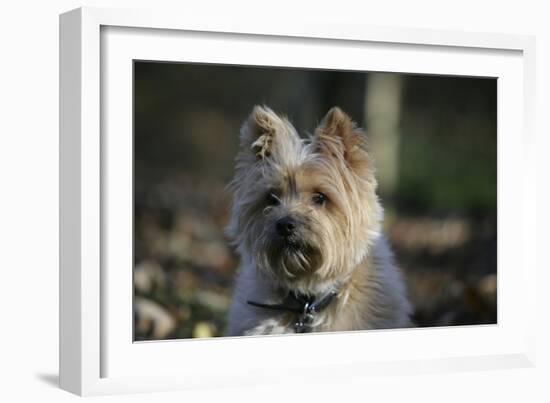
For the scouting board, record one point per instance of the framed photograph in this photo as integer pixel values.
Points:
(243, 203)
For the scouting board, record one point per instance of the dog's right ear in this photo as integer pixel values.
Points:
(265, 134)
(337, 137)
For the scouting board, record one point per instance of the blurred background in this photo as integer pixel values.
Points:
(434, 142)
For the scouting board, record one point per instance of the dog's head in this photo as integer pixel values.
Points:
(304, 211)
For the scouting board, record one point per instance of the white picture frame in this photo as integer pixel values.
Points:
(96, 354)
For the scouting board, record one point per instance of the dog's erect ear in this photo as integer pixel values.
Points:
(264, 133)
(338, 137)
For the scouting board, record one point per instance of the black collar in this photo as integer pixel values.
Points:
(305, 306)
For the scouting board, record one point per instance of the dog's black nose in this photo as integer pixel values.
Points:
(286, 226)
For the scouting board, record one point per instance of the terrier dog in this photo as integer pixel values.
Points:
(306, 222)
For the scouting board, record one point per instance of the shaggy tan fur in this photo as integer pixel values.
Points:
(326, 184)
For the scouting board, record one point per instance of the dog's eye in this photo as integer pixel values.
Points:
(319, 198)
(272, 199)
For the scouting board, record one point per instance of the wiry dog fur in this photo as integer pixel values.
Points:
(326, 184)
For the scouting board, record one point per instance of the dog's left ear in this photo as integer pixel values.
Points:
(265, 134)
(338, 137)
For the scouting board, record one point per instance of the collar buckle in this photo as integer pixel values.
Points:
(305, 319)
